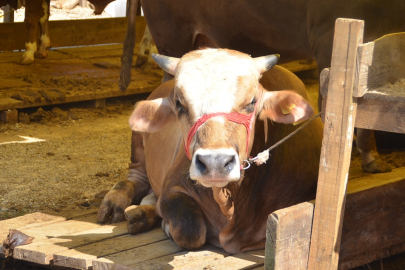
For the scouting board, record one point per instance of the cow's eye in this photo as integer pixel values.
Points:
(179, 106)
(254, 100)
(251, 106)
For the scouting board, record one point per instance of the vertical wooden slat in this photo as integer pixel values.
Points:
(287, 237)
(336, 147)
(8, 14)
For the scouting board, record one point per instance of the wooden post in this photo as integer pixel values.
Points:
(288, 235)
(9, 14)
(340, 116)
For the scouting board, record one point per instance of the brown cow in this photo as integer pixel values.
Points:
(192, 136)
(296, 29)
(36, 16)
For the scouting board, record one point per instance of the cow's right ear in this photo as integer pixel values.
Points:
(167, 63)
(151, 115)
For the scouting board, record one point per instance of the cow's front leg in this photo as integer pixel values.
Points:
(130, 191)
(366, 144)
(144, 216)
(182, 219)
(44, 41)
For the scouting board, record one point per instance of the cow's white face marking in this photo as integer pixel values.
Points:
(209, 82)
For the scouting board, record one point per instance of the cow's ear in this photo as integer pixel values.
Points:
(151, 115)
(167, 63)
(265, 63)
(285, 107)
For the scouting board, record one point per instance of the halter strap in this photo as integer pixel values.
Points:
(246, 120)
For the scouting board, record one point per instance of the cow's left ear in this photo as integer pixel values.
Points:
(151, 115)
(285, 107)
(265, 63)
(167, 63)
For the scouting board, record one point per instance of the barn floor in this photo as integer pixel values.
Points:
(51, 188)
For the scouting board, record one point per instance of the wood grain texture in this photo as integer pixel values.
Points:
(288, 236)
(379, 62)
(373, 225)
(83, 255)
(336, 147)
(377, 114)
(66, 33)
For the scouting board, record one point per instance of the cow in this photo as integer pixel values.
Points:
(36, 16)
(296, 29)
(192, 138)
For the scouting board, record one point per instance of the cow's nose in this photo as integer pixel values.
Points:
(221, 164)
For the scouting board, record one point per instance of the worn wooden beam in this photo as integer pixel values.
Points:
(379, 62)
(65, 33)
(8, 14)
(372, 227)
(288, 235)
(336, 147)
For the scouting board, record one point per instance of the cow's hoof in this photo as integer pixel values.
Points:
(26, 60)
(140, 218)
(41, 54)
(376, 166)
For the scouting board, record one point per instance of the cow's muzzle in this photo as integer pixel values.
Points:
(215, 167)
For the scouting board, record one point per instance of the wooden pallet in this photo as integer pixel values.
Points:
(79, 242)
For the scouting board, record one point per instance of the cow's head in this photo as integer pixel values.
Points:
(215, 91)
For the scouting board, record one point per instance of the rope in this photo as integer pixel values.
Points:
(264, 156)
(11, 10)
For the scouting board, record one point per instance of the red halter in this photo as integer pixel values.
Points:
(246, 120)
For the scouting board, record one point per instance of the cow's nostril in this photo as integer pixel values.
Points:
(199, 163)
(230, 164)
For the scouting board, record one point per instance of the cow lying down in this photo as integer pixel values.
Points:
(192, 137)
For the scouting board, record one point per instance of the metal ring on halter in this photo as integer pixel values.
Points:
(248, 166)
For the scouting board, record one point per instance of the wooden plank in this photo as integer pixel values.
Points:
(373, 225)
(65, 33)
(33, 253)
(379, 62)
(142, 87)
(381, 115)
(247, 260)
(124, 259)
(34, 220)
(86, 233)
(185, 260)
(336, 147)
(287, 237)
(82, 257)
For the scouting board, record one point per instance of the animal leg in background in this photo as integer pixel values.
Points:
(127, 192)
(366, 144)
(44, 41)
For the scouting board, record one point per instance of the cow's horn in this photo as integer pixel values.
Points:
(167, 63)
(265, 63)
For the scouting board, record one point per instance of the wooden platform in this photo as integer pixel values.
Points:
(81, 243)
(68, 75)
